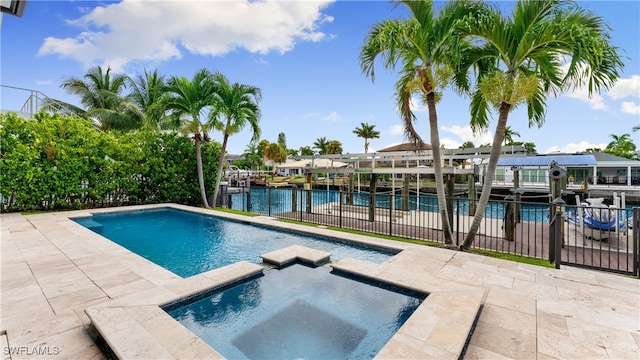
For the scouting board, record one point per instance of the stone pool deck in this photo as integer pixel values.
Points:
(52, 270)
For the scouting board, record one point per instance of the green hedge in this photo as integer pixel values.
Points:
(59, 162)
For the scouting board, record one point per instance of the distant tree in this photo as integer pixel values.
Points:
(275, 153)
(251, 155)
(306, 151)
(467, 145)
(509, 133)
(622, 146)
(592, 150)
(333, 147)
(366, 132)
(282, 140)
(321, 145)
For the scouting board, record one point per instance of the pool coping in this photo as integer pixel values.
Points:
(136, 326)
(428, 332)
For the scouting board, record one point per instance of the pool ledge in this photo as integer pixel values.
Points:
(441, 326)
(294, 253)
(135, 326)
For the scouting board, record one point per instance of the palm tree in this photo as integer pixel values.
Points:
(366, 132)
(101, 95)
(147, 92)
(509, 133)
(234, 107)
(306, 150)
(621, 145)
(188, 100)
(466, 145)
(321, 145)
(251, 155)
(428, 50)
(519, 60)
(334, 147)
(275, 153)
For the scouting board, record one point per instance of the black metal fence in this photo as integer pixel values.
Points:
(517, 228)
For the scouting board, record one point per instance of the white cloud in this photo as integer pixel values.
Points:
(626, 87)
(43, 82)
(396, 130)
(574, 148)
(629, 107)
(132, 30)
(416, 105)
(582, 93)
(332, 117)
(466, 134)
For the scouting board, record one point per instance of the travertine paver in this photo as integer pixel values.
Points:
(53, 269)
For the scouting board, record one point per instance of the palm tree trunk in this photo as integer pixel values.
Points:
(203, 192)
(496, 147)
(220, 166)
(437, 166)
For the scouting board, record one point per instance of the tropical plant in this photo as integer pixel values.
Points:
(235, 106)
(509, 133)
(305, 151)
(275, 153)
(622, 146)
(147, 92)
(334, 147)
(428, 50)
(252, 156)
(366, 132)
(101, 95)
(321, 144)
(518, 60)
(187, 101)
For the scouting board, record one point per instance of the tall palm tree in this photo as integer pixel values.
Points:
(101, 94)
(428, 50)
(519, 60)
(321, 145)
(366, 132)
(188, 100)
(147, 92)
(235, 106)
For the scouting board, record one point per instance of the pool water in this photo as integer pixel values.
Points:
(187, 243)
(298, 312)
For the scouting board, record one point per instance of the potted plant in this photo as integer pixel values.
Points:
(571, 179)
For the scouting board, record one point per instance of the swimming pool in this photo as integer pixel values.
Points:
(297, 312)
(188, 243)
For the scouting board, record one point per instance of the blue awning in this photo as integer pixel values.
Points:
(545, 160)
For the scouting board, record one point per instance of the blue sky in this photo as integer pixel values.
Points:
(304, 57)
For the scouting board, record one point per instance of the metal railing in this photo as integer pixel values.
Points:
(523, 229)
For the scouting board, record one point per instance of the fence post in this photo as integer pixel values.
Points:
(340, 207)
(269, 199)
(294, 198)
(391, 209)
(509, 219)
(555, 232)
(635, 221)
